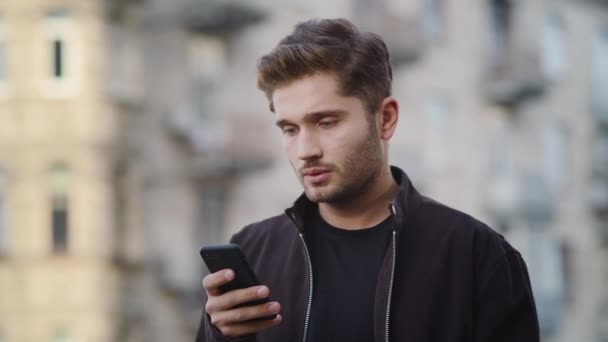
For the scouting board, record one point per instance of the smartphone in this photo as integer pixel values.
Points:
(219, 257)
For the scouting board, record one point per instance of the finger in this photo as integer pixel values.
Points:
(244, 314)
(232, 299)
(241, 329)
(213, 281)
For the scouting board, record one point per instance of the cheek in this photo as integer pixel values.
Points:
(348, 140)
(289, 147)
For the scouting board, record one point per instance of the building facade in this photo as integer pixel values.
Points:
(115, 163)
(131, 133)
(501, 117)
(57, 145)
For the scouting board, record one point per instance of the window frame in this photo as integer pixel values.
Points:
(58, 25)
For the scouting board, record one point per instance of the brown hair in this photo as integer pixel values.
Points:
(360, 60)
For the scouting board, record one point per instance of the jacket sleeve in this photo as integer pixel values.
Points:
(505, 304)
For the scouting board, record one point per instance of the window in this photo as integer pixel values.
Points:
(59, 62)
(58, 58)
(432, 20)
(556, 155)
(213, 205)
(501, 192)
(120, 208)
(364, 12)
(61, 335)
(553, 46)
(59, 179)
(58, 25)
(3, 66)
(126, 71)
(544, 255)
(3, 214)
(598, 187)
(600, 75)
(600, 155)
(207, 55)
(501, 12)
(435, 110)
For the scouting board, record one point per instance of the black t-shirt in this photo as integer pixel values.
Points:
(345, 266)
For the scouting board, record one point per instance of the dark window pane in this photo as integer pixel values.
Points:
(61, 336)
(57, 58)
(600, 76)
(432, 20)
(500, 17)
(58, 12)
(60, 229)
(501, 13)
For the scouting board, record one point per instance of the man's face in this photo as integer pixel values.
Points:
(331, 140)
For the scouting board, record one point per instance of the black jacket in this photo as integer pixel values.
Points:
(446, 277)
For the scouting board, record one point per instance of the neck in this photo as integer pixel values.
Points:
(366, 210)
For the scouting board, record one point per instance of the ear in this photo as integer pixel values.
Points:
(388, 116)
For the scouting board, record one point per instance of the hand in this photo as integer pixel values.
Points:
(222, 308)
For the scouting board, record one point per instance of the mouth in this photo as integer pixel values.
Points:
(316, 175)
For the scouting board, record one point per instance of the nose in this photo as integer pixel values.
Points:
(308, 146)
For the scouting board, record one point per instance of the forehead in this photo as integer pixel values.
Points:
(312, 94)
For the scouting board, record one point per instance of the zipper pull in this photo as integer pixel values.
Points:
(393, 209)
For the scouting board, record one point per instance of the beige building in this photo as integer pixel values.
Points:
(113, 164)
(58, 133)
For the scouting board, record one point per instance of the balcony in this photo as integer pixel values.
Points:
(402, 36)
(116, 9)
(221, 16)
(241, 151)
(514, 70)
(222, 145)
(513, 78)
(603, 3)
(401, 33)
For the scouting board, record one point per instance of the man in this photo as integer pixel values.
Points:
(361, 256)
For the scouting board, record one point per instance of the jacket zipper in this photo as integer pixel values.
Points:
(310, 284)
(390, 289)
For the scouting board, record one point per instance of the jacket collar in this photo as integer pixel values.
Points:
(400, 207)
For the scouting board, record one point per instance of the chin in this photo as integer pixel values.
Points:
(319, 196)
(314, 197)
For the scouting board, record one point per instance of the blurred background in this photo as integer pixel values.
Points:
(132, 133)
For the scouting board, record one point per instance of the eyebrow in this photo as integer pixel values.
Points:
(314, 116)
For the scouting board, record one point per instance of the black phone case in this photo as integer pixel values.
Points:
(219, 257)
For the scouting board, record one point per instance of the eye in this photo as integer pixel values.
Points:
(289, 130)
(327, 123)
